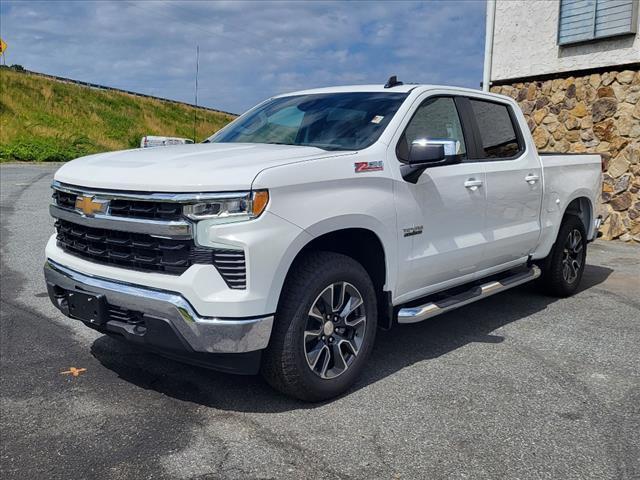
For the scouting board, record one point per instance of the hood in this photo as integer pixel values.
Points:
(205, 167)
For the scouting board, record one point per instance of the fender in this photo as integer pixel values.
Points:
(552, 215)
(330, 225)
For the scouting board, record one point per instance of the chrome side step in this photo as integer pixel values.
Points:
(431, 309)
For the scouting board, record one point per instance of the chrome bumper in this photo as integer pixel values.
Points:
(202, 334)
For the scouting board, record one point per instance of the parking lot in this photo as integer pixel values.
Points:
(517, 386)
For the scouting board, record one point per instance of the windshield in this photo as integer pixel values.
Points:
(332, 121)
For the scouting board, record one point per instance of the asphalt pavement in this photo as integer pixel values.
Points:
(517, 386)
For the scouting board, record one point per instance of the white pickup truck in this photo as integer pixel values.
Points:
(283, 242)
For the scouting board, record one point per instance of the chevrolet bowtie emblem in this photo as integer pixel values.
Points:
(89, 206)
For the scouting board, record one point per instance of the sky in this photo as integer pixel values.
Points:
(249, 51)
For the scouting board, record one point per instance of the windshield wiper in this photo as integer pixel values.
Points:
(328, 147)
(325, 147)
(296, 145)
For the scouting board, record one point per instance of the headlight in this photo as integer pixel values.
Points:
(233, 208)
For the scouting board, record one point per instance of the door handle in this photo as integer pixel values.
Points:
(531, 179)
(473, 184)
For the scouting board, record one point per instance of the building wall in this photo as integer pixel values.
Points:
(597, 113)
(525, 43)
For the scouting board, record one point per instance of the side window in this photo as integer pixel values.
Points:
(436, 118)
(497, 131)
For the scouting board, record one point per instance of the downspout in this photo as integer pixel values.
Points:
(488, 44)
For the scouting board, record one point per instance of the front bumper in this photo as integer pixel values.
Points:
(166, 320)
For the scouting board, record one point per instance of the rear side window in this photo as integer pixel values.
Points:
(498, 133)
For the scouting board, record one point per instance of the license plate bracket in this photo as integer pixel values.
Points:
(87, 307)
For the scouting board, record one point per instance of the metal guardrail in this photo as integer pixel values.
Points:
(129, 92)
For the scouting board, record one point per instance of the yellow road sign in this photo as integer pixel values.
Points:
(3, 46)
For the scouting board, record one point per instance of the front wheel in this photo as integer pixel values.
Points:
(562, 270)
(324, 328)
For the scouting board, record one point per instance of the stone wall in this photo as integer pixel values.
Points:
(598, 113)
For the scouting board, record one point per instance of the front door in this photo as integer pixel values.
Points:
(447, 205)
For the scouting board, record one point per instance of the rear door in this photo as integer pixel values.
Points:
(513, 183)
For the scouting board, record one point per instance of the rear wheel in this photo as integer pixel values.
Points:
(563, 268)
(324, 328)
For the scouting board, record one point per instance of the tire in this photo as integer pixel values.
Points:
(295, 362)
(562, 270)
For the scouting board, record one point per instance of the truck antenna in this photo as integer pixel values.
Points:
(392, 82)
(195, 110)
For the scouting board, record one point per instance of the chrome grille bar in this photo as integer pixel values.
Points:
(150, 197)
(175, 230)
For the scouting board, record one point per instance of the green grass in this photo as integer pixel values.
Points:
(47, 120)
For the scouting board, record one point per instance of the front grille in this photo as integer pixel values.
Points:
(144, 252)
(64, 199)
(146, 210)
(142, 209)
(131, 250)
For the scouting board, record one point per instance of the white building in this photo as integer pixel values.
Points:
(534, 38)
(574, 67)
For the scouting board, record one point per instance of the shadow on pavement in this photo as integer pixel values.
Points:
(401, 347)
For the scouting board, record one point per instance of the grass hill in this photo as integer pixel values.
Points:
(42, 119)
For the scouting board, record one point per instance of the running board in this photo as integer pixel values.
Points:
(431, 309)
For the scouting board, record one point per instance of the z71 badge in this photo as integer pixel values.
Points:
(362, 167)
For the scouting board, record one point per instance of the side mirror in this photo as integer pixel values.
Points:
(427, 152)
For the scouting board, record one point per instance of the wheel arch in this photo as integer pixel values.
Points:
(360, 242)
(580, 204)
(582, 208)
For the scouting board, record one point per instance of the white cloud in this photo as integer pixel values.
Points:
(249, 50)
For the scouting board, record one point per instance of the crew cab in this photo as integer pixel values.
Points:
(282, 243)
